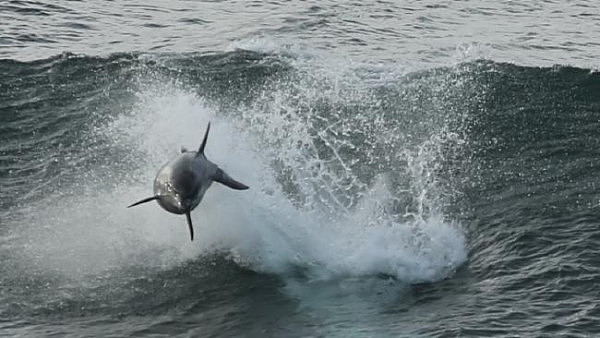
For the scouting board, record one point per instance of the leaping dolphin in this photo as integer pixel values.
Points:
(180, 184)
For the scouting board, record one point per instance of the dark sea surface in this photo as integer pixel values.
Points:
(416, 168)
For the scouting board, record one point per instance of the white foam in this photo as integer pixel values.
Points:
(260, 228)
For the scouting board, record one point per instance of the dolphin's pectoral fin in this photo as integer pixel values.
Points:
(144, 201)
(223, 178)
(189, 222)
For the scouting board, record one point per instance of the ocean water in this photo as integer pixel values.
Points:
(416, 168)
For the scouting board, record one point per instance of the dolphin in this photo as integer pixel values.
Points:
(180, 184)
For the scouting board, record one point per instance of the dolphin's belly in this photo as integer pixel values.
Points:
(181, 183)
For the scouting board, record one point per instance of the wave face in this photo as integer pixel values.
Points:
(376, 193)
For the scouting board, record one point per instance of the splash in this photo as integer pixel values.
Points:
(298, 220)
(333, 193)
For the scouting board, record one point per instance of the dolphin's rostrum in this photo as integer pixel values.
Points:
(180, 184)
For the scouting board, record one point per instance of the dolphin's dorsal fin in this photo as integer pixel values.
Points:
(223, 178)
(183, 149)
(144, 201)
(201, 149)
(189, 222)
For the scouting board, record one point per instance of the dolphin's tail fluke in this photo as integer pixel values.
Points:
(144, 201)
(189, 222)
(201, 149)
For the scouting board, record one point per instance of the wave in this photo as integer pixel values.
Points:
(307, 153)
(356, 170)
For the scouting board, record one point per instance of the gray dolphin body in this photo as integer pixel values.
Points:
(181, 184)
